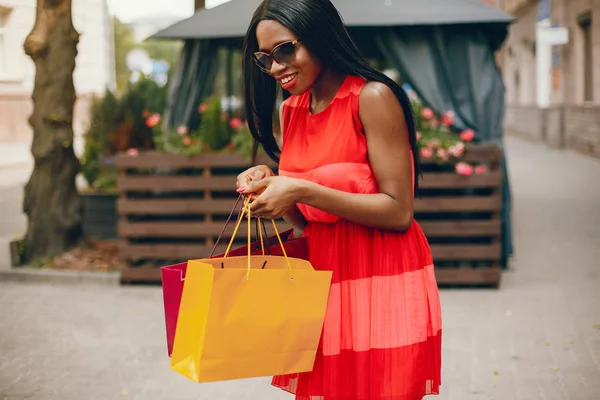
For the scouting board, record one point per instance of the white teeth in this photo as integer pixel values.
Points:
(289, 78)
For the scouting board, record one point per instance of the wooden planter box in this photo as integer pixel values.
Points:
(173, 208)
(461, 217)
(99, 215)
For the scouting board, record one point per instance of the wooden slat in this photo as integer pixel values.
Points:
(469, 276)
(199, 206)
(191, 251)
(468, 252)
(444, 276)
(140, 275)
(168, 251)
(446, 180)
(486, 152)
(184, 229)
(461, 228)
(174, 206)
(451, 180)
(200, 229)
(458, 203)
(151, 159)
(175, 183)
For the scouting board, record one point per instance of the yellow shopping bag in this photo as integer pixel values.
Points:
(245, 317)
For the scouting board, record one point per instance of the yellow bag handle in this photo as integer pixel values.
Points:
(246, 209)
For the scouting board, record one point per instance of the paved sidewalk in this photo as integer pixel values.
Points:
(536, 338)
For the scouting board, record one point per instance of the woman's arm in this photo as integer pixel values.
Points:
(389, 156)
(295, 218)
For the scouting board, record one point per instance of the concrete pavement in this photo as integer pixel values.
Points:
(536, 338)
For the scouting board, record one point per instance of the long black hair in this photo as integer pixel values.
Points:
(322, 30)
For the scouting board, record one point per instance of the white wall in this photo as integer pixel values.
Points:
(95, 63)
(214, 3)
(520, 59)
(94, 69)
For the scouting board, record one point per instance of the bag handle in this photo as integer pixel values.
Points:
(259, 224)
(246, 210)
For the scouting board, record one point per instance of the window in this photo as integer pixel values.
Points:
(4, 16)
(585, 23)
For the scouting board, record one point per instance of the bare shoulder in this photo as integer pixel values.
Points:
(376, 92)
(376, 98)
(378, 104)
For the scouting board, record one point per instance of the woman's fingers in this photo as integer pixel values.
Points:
(253, 174)
(258, 175)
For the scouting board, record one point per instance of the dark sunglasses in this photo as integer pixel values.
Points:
(283, 54)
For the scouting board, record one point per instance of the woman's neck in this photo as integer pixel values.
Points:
(324, 89)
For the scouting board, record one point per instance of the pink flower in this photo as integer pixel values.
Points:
(447, 118)
(467, 135)
(153, 120)
(419, 135)
(235, 123)
(427, 113)
(426, 152)
(457, 150)
(187, 140)
(182, 130)
(464, 169)
(133, 152)
(481, 169)
(202, 108)
(443, 154)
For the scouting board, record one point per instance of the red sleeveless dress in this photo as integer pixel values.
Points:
(381, 338)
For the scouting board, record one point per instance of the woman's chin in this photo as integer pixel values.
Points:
(297, 90)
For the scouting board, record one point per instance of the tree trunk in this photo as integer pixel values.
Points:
(51, 200)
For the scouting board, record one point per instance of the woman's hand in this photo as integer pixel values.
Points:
(253, 174)
(273, 196)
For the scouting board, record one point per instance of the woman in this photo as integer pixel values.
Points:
(348, 168)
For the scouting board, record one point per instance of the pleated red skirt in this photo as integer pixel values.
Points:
(382, 332)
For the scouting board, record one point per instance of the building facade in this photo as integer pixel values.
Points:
(570, 118)
(94, 69)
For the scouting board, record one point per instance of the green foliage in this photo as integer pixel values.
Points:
(142, 98)
(214, 131)
(91, 167)
(106, 114)
(119, 124)
(440, 142)
(180, 141)
(242, 141)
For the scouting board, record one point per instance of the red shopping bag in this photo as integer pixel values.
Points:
(173, 276)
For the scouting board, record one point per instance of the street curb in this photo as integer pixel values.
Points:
(35, 275)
